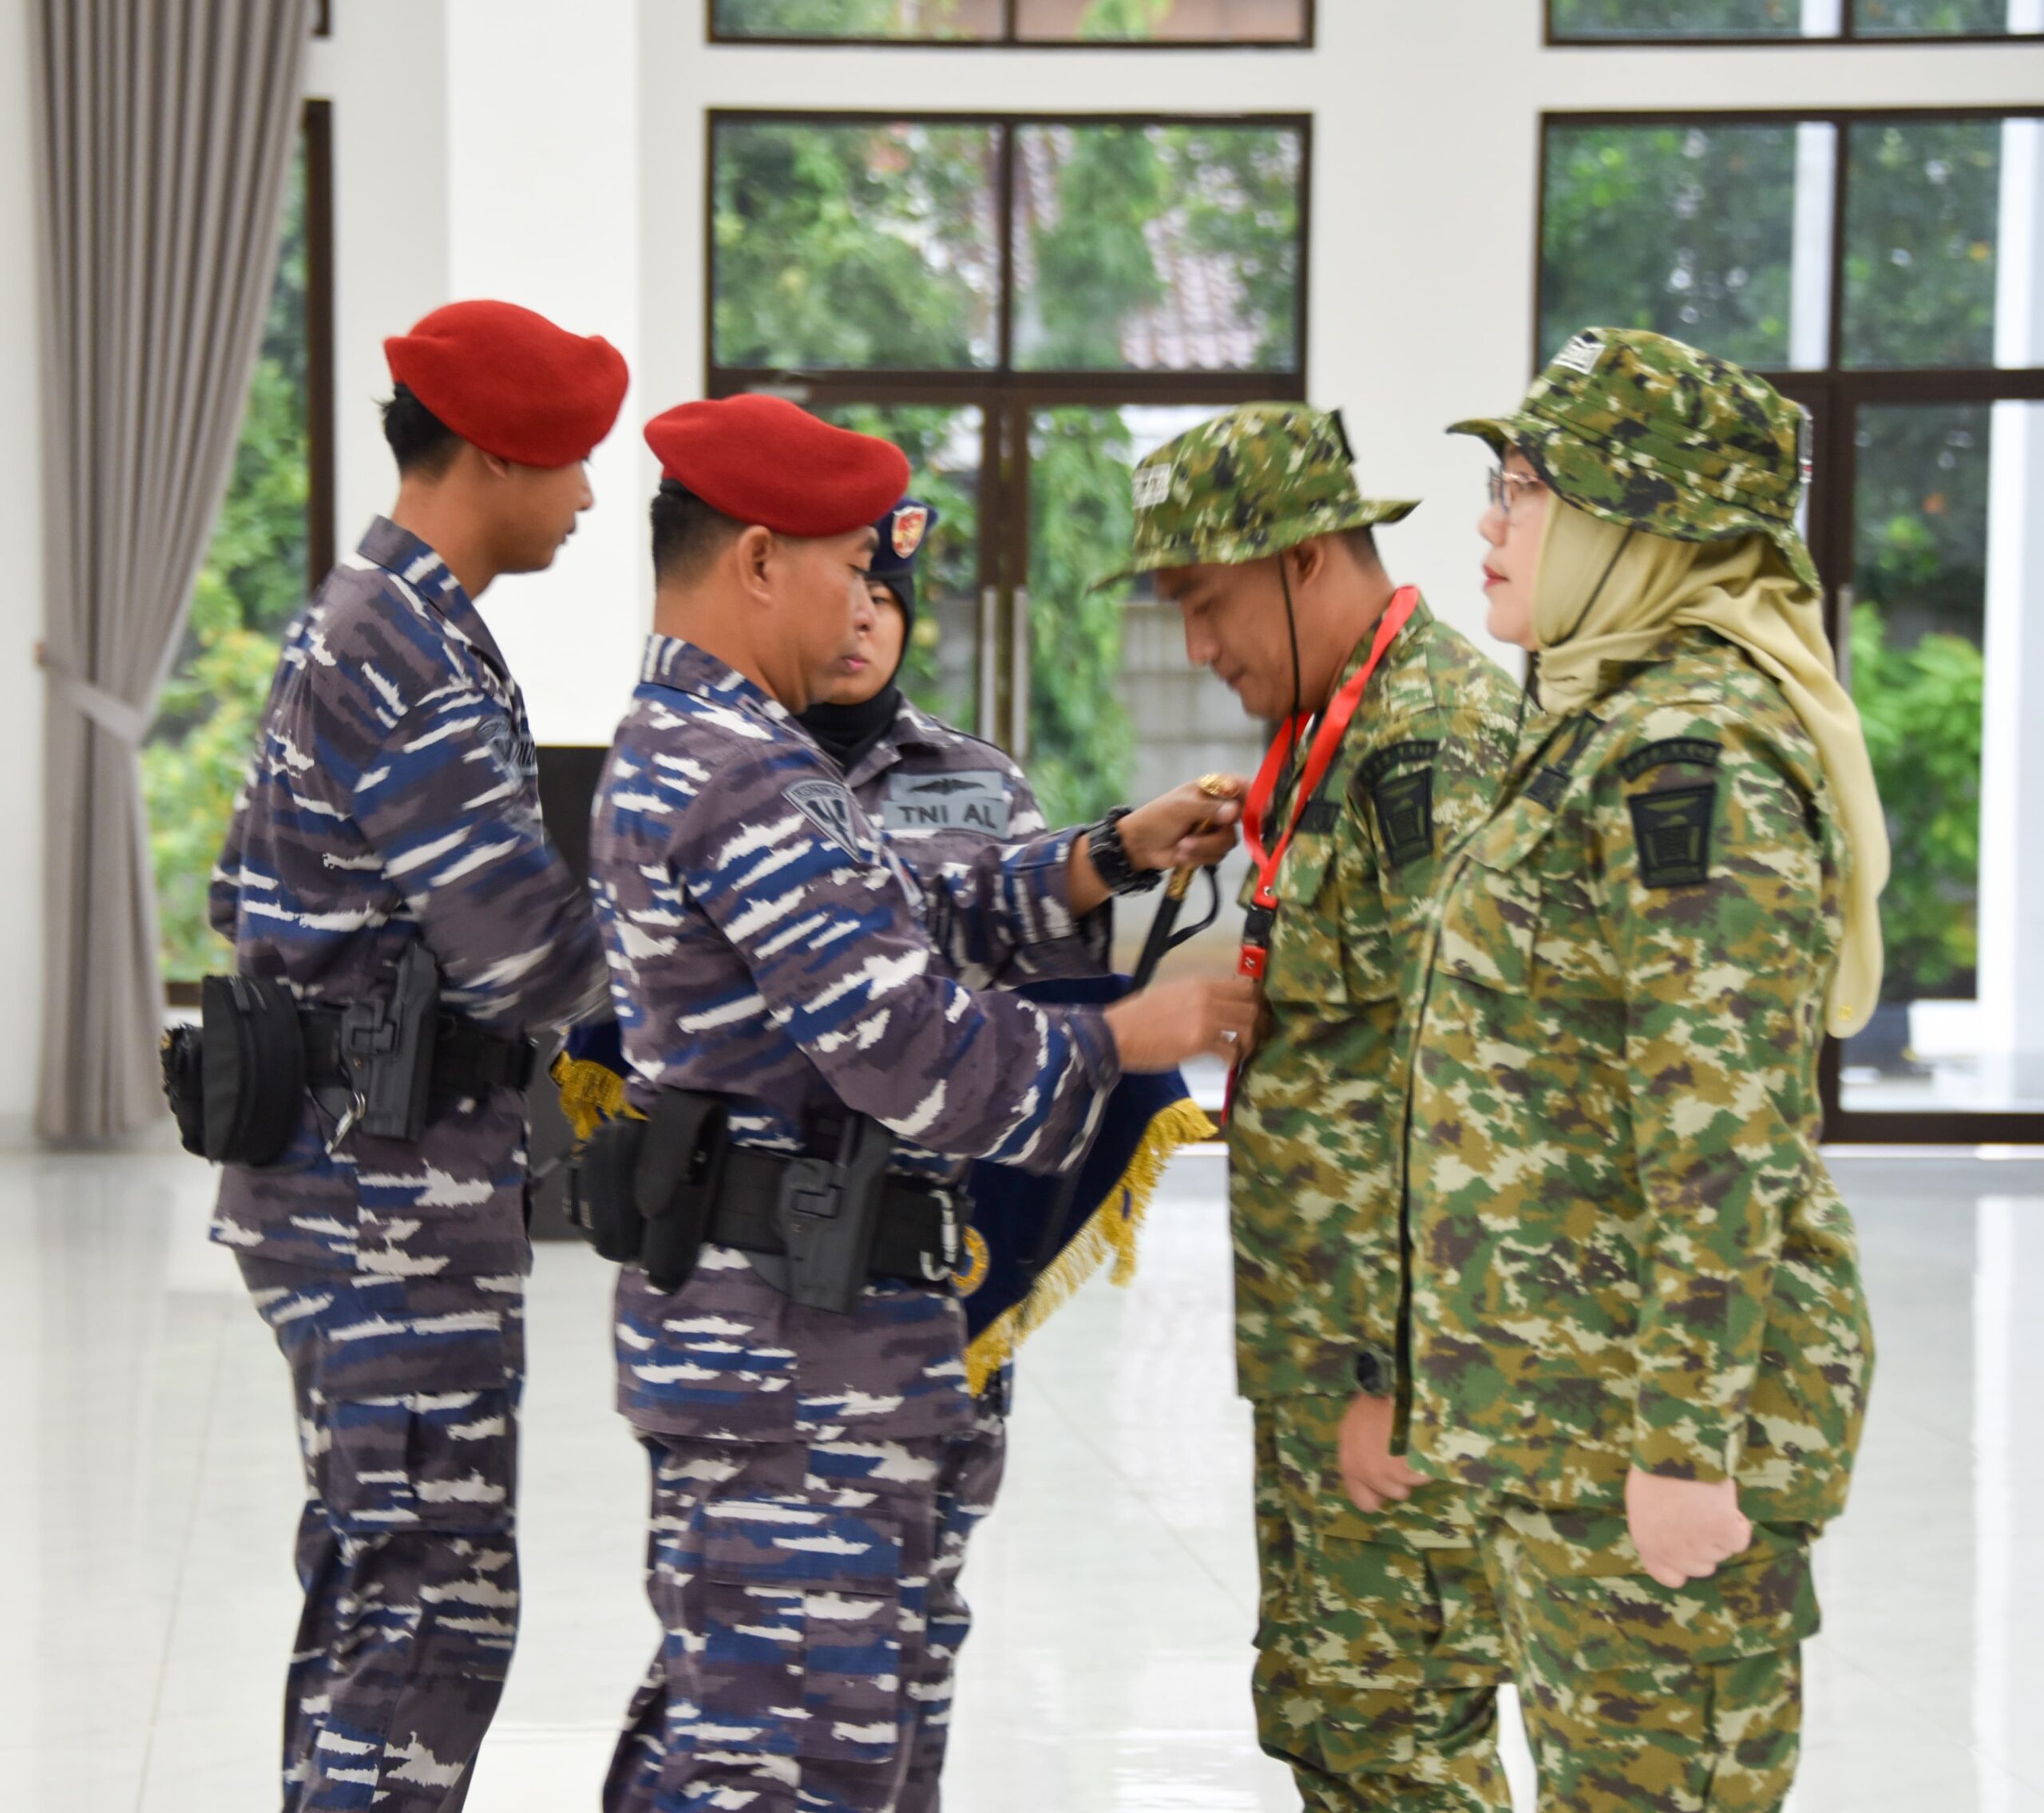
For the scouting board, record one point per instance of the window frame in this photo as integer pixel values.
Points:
(1834, 395)
(1848, 33)
(1009, 39)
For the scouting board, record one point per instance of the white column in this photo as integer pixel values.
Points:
(1823, 18)
(2011, 970)
(543, 210)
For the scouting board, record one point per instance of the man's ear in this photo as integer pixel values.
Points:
(497, 467)
(752, 551)
(1308, 560)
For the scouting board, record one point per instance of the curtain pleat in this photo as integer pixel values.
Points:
(164, 131)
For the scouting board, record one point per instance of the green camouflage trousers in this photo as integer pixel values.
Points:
(1643, 1699)
(1379, 1653)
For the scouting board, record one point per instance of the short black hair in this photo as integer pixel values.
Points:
(688, 534)
(424, 445)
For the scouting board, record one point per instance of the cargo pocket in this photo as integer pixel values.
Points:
(443, 1461)
(801, 1630)
(1491, 911)
(1623, 1622)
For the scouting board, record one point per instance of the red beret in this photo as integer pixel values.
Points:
(511, 381)
(763, 460)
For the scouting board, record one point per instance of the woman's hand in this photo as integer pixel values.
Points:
(1373, 1475)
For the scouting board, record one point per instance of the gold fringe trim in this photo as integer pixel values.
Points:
(590, 1094)
(1111, 1233)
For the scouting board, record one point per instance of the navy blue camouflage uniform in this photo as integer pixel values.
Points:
(392, 799)
(766, 944)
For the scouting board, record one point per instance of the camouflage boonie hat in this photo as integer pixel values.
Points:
(1646, 432)
(1249, 484)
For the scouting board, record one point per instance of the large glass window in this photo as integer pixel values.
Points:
(1620, 21)
(1886, 270)
(272, 539)
(1097, 23)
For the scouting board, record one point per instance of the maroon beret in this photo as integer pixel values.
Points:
(763, 460)
(511, 381)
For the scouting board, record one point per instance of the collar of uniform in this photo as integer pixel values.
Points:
(402, 554)
(913, 729)
(681, 666)
(1690, 642)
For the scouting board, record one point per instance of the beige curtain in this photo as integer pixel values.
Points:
(164, 130)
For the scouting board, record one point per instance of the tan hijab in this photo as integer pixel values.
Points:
(1604, 593)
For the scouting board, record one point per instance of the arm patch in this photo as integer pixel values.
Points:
(1690, 752)
(1400, 781)
(1672, 830)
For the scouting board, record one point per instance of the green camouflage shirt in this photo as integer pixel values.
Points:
(1314, 1137)
(1625, 1249)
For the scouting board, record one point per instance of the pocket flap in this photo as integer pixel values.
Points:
(791, 1544)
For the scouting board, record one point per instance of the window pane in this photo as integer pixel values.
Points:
(1922, 207)
(1689, 231)
(940, 670)
(862, 246)
(1948, 552)
(251, 585)
(858, 18)
(1115, 712)
(1932, 18)
(1157, 248)
(1212, 21)
(1678, 18)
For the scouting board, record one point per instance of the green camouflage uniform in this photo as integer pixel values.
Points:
(1624, 1250)
(1378, 1647)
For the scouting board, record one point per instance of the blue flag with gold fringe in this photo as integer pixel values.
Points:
(1006, 1299)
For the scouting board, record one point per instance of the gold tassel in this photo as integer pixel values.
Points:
(590, 1094)
(1113, 1233)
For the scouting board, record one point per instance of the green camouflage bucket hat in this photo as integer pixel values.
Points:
(1245, 485)
(1649, 433)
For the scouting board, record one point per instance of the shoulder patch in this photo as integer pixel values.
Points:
(1672, 830)
(1404, 803)
(1690, 752)
(828, 805)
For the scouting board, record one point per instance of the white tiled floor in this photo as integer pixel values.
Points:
(149, 1485)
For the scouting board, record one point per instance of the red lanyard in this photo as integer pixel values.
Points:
(1333, 727)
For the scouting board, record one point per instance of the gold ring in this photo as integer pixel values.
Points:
(1218, 786)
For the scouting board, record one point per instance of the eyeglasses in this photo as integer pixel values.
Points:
(1505, 486)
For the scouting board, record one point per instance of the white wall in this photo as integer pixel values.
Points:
(21, 535)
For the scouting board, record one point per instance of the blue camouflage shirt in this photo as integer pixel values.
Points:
(766, 945)
(393, 797)
(938, 796)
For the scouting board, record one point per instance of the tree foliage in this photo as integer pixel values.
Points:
(251, 583)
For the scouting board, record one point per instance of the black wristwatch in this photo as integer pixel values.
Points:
(1110, 856)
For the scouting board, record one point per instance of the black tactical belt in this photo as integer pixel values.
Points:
(918, 1237)
(467, 1060)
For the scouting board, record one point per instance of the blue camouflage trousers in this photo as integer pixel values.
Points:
(808, 1596)
(407, 1396)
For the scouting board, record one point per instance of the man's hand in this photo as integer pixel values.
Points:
(1187, 828)
(1373, 1475)
(1683, 1528)
(1158, 1029)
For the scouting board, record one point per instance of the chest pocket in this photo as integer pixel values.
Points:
(1491, 911)
(1331, 943)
